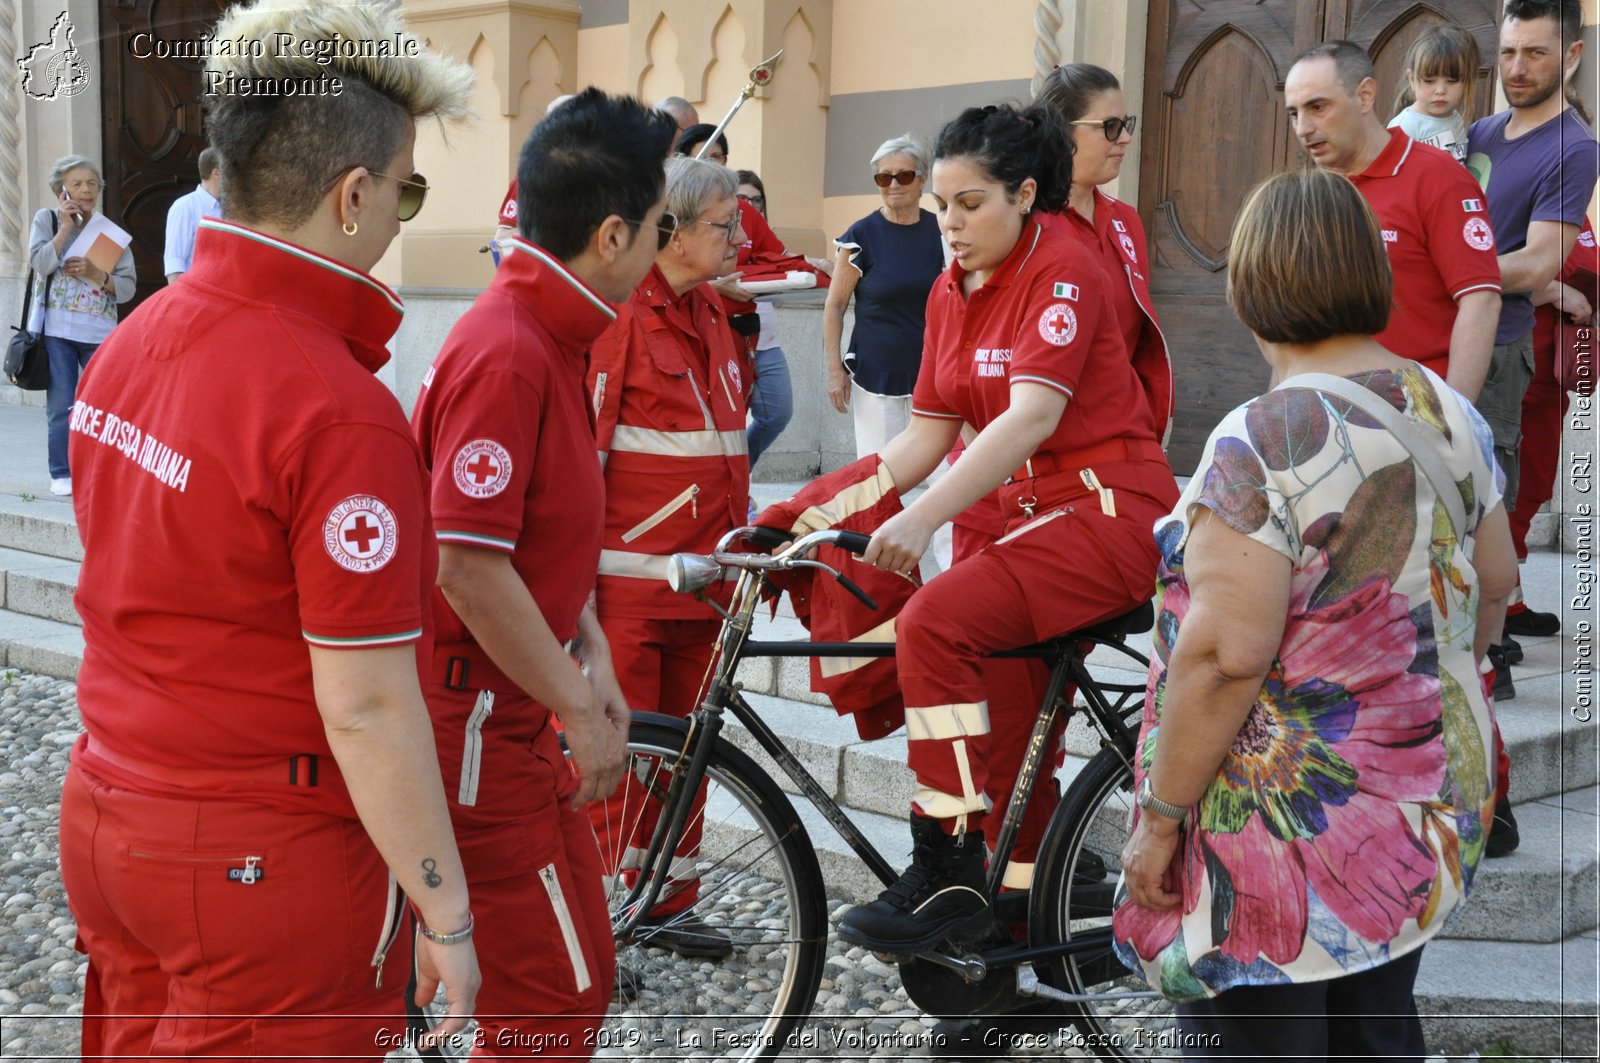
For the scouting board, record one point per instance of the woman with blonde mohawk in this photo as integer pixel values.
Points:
(258, 769)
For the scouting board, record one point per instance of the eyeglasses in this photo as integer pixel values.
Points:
(1113, 127)
(758, 202)
(664, 228)
(904, 177)
(413, 190)
(729, 227)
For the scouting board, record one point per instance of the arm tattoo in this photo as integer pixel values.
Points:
(430, 874)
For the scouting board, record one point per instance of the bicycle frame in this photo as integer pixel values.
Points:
(723, 693)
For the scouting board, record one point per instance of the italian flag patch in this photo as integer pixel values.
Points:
(1064, 290)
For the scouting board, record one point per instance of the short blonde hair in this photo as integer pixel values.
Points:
(1306, 262)
(280, 149)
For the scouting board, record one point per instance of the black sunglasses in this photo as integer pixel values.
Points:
(413, 191)
(1113, 127)
(904, 177)
(664, 228)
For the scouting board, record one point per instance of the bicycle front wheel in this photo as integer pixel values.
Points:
(754, 882)
(1080, 862)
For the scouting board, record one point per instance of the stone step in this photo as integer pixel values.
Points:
(38, 585)
(40, 524)
(44, 647)
(1539, 997)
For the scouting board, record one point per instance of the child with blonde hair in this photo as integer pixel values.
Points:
(1440, 67)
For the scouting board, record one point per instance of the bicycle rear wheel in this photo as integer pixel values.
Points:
(1079, 864)
(759, 884)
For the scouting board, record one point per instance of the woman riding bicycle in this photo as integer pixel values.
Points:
(1022, 343)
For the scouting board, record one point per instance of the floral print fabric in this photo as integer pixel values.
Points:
(1348, 818)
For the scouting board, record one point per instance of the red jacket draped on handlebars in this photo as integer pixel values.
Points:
(858, 497)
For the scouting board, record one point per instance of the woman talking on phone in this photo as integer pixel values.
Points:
(77, 299)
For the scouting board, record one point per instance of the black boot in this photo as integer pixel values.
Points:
(1503, 834)
(1504, 688)
(1511, 649)
(941, 895)
(1531, 623)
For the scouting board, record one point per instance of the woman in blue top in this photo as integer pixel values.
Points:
(888, 260)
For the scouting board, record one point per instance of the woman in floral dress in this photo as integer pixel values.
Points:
(1316, 760)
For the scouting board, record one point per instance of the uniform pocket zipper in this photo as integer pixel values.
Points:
(686, 498)
(569, 931)
(727, 390)
(599, 392)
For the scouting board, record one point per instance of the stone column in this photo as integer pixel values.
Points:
(13, 216)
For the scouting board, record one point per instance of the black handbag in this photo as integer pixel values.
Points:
(27, 361)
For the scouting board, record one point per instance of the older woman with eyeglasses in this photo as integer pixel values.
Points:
(668, 389)
(888, 261)
(1090, 99)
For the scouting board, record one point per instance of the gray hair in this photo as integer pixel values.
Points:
(905, 144)
(692, 183)
(65, 165)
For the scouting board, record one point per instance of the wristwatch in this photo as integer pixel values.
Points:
(1151, 803)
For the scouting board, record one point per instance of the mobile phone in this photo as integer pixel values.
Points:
(66, 201)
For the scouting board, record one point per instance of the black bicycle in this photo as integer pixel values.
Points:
(754, 877)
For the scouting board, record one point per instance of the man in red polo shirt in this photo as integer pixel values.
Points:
(517, 502)
(1434, 219)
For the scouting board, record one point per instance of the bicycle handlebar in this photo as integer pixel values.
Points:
(687, 573)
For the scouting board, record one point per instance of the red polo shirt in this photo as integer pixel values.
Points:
(1435, 225)
(243, 486)
(1045, 316)
(505, 426)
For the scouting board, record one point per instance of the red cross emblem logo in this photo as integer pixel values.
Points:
(359, 534)
(1127, 247)
(482, 469)
(1477, 234)
(1058, 324)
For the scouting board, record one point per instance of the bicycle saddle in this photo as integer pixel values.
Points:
(1139, 619)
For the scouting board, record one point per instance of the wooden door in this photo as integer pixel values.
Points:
(152, 126)
(1214, 127)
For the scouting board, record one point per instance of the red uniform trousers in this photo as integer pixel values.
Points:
(1544, 407)
(186, 959)
(533, 872)
(661, 665)
(1075, 563)
(1014, 690)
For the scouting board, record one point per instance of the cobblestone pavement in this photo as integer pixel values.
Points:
(862, 1010)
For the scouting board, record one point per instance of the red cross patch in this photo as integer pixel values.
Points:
(1127, 247)
(482, 469)
(1477, 234)
(1058, 324)
(360, 534)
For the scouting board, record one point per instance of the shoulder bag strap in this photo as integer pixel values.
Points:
(27, 293)
(1403, 429)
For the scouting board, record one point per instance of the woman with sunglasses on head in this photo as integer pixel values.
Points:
(258, 769)
(668, 393)
(1022, 345)
(887, 260)
(1091, 102)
